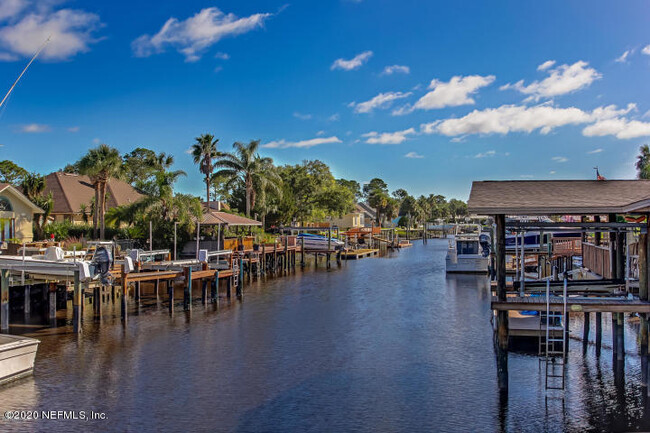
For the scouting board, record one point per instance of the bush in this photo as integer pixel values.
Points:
(66, 229)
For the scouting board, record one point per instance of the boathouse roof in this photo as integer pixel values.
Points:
(559, 197)
(229, 219)
(70, 191)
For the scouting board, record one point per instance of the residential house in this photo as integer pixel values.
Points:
(16, 215)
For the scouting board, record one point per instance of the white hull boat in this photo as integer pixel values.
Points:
(17, 354)
(319, 243)
(468, 254)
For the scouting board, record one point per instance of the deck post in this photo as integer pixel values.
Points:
(302, 252)
(204, 291)
(614, 334)
(76, 304)
(613, 244)
(620, 341)
(215, 287)
(170, 295)
(156, 288)
(51, 295)
(4, 303)
(187, 295)
(97, 302)
(502, 317)
(28, 299)
(599, 332)
(125, 292)
(597, 234)
(585, 332)
(286, 252)
(643, 266)
(262, 263)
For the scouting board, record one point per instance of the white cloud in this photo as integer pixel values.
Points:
(283, 144)
(646, 50)
(73, 129)
(561, 80)
(547, 64)
(396, 69)
(508, 118)
(222, 56)
(413, 155)
(552, 172)
(624, 56)
(11, 8)
(592, 152)
(354, 63)
(321, 132)
(487, 154)
(191, 37)
(334, 117)
(302, 116)
(381, 101)
(560, 159)
(619, 127)
(396, 137)
(35, 128)
(453, 93)
(71, 31)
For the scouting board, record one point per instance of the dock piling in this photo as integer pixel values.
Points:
(51, 301)
(170, 295)
(76, 304)
(599, 332)
(585, 332)
(28, 299)
(187, 296)
(4, 300)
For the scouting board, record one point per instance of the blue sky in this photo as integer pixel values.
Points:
(426, 95)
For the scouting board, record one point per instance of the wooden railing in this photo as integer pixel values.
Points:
(567, 247)
(597, 259)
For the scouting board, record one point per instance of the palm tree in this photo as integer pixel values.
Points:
(33, 185)
(100, 164)
(643, 162)
(204, 152)
(245, 165)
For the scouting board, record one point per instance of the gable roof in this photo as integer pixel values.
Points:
(70, 191)
(558, 197)
(21, 197)
(366, 209)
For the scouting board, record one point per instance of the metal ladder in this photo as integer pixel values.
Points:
(552, 350)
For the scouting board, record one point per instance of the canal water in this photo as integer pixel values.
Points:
(389, 344)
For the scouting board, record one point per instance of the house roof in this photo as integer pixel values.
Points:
(70, 191)
(216, 218)
(365, 208)
(21, 196)
(216, 205)
(559, 197)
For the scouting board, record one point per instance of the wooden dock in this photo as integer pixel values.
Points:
(358, 254)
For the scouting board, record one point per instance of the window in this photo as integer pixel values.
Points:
(467, 247)
(7, 228)
(5, 205)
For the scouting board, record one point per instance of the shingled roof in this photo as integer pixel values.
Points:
(70, 191)
(559, 197)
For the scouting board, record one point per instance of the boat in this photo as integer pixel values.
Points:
(17, 354)
(319, 243)
(468, 253)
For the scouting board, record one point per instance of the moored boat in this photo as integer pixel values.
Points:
(319, 243)
(17, 354)
(469, 253)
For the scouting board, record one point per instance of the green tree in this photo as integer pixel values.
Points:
(141, 164)
(254, 172)
(376, 192)
(33, 185)
(100, 164)
(643, 162)
(204, 153)
(11, 173)
(353, 186)
(457, 208)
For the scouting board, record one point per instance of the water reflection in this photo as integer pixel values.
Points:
(380, 344)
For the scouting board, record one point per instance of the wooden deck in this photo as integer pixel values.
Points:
(574, 304)
(358, 254)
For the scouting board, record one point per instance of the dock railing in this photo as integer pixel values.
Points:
(598, 259)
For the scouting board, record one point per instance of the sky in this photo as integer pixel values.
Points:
(427, 95)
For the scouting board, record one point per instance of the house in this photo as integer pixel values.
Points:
(16, 215)
(369, 214)
(362, 216)
(73, 192)
(216, 205)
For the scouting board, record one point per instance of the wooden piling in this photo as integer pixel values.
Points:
(643, 342)
(502, 316)
(620, 340)
(125, 292)
(76, 304)
(585, 332)
(28, 299)
(170, 295)
(643, 266)
(240, 281)
(187, 294)
(97, 302)
(302, 252)
(156, 288)
(215, 287)
(204, 291)
(4, 300)
(599, 332)
(51, 295)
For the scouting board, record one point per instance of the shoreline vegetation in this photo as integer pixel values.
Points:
(239, 181)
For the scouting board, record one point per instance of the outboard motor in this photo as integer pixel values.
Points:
(102, 262)
(484, 240)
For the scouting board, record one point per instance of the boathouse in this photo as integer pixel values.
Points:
(611, 208)
(16, 215)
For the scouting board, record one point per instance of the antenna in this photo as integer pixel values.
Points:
(47, 41)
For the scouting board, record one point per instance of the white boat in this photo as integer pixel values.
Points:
(17, 354)
(319, 243)
(469, 253)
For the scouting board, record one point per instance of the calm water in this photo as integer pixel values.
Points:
(378, 345)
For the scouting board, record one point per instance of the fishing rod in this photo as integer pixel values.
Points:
(47, 41)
